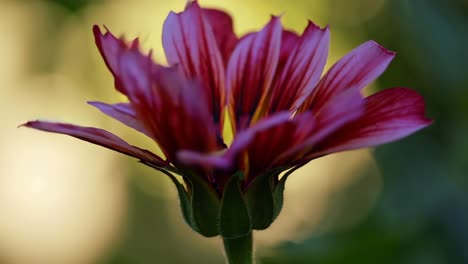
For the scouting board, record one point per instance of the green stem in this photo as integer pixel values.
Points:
(239, 250)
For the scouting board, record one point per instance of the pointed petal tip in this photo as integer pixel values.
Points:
(27, 124)
(389, 52)
(312, 24)
(98, 33)
(276, 18)
(191, 3)
(32, 124)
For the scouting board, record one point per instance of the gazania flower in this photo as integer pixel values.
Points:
(283, 113)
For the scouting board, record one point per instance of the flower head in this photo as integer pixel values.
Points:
(283, 112)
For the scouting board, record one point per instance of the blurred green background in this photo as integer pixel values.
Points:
(65, 201)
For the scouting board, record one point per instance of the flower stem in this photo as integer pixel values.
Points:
(239, 250)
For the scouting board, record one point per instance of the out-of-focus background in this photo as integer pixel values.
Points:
(66, 201)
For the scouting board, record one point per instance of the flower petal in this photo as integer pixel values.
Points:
(169, 105)
(99, 137)
(228, 159)
(268, 143)
(289, 41)
(340, 111)
(188, 40)
(111, 48)
(122, 112)
(389, 115)
(354, 71)
(250, 72)
(302, 69)
(257, 148)
(135, 74)
(223, 31)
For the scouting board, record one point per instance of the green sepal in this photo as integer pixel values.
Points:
(260, 201)
(278, 193)
(278, 196)
(205, 208)
(185, 204)
(234, 219)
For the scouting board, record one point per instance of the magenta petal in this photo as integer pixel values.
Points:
(245, 138)
(354, 71)
(223, 31)
(122, 112)
(213, 160)
(289, 41)
(111, 48)
(302, 70)
(232, 156)
(342, 109)
(99, 137)
(389, 115)
(251, 70)
(136, 72)
(334, 116)
(188, 40)
(169, 105)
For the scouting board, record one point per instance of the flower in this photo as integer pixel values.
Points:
(283, 113)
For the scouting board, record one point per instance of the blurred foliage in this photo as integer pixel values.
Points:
(74, 6)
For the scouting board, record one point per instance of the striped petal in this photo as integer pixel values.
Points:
(232, 156)
(302, 69)
(250, 73)
(334, 116)
(122, 112)
(354, 71)
(189, 41)
(174, 110)
(289, 40)
(389, 115)
(99, 137)
(256, 149)
(111, 49)
(223, 31)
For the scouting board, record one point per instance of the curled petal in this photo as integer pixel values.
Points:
(188, 41)
(302, 69)
(250, 73)
(354, 71)
(99, 137)
(389, 115)
(122, 112)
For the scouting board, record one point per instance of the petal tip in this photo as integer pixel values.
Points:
(96, 29)
(27, 124)
(382, 48)
(314, 25)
